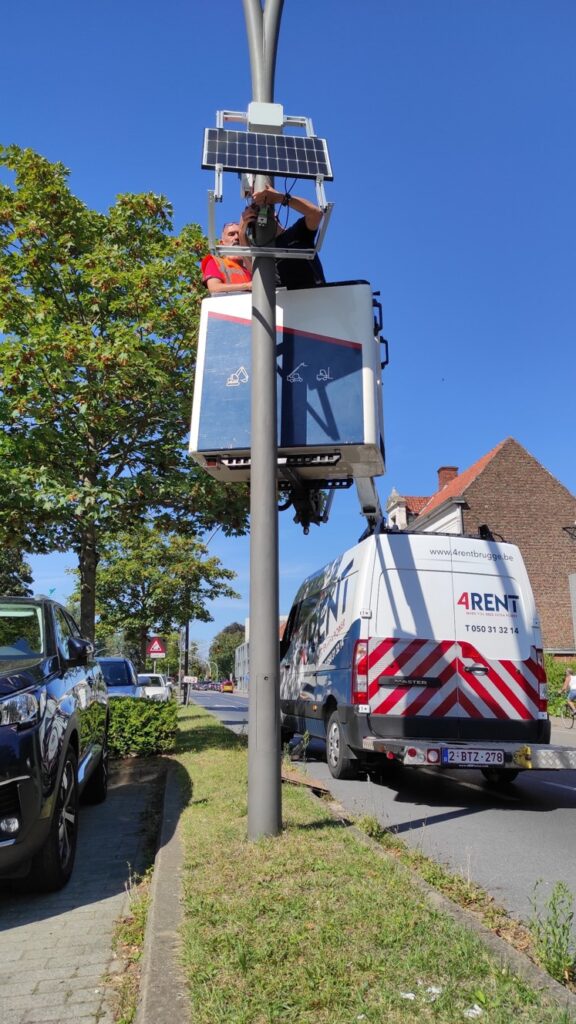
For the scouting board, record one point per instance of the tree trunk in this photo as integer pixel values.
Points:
(187, 646)
(87, 562)
(143, 646)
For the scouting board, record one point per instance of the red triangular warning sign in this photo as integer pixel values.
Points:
(156, 646)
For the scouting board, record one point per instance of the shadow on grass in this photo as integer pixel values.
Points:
(317, 826)
(209, 739)
(184, 782)
(208, 736)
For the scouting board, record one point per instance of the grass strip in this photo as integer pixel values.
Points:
(313, 926)
(128, 945)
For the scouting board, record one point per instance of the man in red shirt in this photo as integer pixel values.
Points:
(290, 273)
(225, 274)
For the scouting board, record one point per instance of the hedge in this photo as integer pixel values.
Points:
(556, 673)
(141, 727)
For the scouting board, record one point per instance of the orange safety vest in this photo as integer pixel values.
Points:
(232, 271)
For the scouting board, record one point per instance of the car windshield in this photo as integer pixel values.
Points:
(115, 673)
(150, 680)
(21, 634)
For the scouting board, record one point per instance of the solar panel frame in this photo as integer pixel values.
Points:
(292, 156)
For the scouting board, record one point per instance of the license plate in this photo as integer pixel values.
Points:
(470, 758)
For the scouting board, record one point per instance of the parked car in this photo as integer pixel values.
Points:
(154, 686)
(121, 677)
(53, 738)
(226, 686)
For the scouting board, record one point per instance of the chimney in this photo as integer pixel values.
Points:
(445, 475)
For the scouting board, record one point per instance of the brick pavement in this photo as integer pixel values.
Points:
(56, 949)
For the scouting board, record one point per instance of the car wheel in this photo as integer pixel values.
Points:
(97, 785)
(340, 764)
(53, 864)
(499, 776)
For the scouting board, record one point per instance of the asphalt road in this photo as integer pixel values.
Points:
(504, 841)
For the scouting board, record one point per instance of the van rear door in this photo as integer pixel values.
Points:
(412, 654)
(501, 677)
(453, 651)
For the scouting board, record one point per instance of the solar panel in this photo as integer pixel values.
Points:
(294, 156)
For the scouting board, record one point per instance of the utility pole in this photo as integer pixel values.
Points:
(264, 776)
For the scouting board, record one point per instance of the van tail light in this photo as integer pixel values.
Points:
(542, 681)
(360, 672)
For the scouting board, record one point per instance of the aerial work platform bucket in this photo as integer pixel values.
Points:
(330, 420)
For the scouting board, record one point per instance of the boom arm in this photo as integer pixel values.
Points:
(369, 504)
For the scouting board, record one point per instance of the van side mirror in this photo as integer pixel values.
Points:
(79, 650)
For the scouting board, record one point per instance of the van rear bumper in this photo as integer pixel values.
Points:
(359, 726)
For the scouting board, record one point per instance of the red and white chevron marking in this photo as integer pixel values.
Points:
(507, 690)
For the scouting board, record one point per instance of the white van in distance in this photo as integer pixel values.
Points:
(423, 649)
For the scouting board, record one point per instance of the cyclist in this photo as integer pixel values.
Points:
(569, 688)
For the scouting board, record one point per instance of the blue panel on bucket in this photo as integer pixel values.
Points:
(319, 389)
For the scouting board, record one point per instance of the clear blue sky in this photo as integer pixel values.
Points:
(451, 131)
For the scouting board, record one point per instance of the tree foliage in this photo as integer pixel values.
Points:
(149, 581)
(223, 647)
(197, 665)
(15, 573)
(98, 318)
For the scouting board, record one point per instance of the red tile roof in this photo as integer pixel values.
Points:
(456, 487)
(415, 505)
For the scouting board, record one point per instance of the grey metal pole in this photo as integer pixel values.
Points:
(264, 777)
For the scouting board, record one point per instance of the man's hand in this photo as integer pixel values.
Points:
(216, 287)
(267, 196)
(249, 214)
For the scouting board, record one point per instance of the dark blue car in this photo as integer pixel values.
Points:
(53, 738)
(120, 677)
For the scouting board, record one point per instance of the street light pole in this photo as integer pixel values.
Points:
(264, 776)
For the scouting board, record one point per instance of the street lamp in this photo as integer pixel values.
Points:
(263, 150)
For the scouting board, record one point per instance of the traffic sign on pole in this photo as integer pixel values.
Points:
(156, 648)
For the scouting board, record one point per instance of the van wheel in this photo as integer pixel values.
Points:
(286, 734)
(340, 764)
(52, 865)
(499, 776)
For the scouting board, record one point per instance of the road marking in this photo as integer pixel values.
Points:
(474, 785)
(557, 785)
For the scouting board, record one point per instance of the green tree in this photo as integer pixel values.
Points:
(149, 581)
(98, 321)
(15, 573)
(196, 663)
(223, 647)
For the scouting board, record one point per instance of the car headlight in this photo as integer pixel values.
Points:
(21, 709)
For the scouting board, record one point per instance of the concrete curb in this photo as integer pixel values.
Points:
(517, 962)
(163, 995)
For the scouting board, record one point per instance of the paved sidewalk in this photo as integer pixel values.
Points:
(56, 949)
(562, 737)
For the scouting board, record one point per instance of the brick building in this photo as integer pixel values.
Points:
(518, 500)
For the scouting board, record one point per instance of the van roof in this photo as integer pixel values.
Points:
(402, 549)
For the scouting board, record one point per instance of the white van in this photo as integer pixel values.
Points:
(419, 648)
